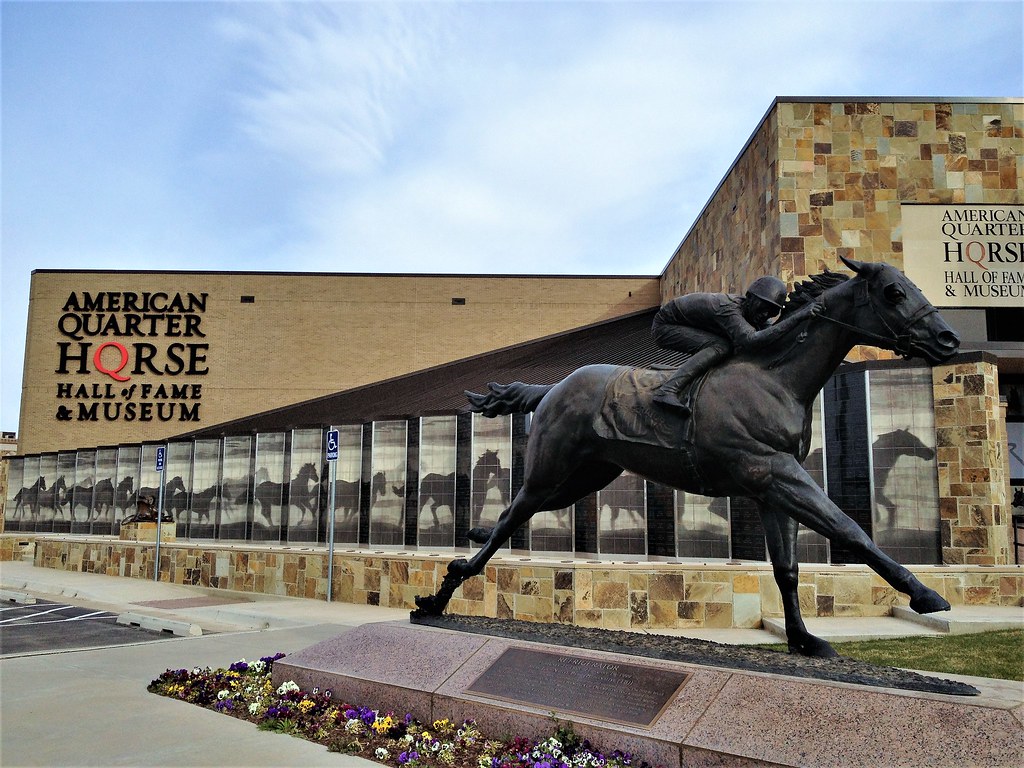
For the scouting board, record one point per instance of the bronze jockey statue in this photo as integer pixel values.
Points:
(712, 326)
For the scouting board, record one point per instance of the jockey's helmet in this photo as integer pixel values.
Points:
(770, 289)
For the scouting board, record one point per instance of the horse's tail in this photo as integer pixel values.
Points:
(504, 399)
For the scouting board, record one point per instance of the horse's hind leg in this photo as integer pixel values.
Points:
(780, 533)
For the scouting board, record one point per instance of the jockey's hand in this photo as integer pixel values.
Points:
(817, 307)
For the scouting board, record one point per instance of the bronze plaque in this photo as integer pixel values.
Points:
(597, 688)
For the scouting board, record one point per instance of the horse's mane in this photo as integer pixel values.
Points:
(810, 289)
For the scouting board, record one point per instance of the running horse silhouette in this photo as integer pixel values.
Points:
(902, 442)
(303, 492)
(28, 499)
(749, 431)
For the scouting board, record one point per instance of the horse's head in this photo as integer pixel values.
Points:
(909, 444)
(309, 471)
(175, 485)
(894, 314)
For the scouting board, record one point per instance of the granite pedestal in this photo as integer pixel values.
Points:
(715, 717)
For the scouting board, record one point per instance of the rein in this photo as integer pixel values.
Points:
(900, 341)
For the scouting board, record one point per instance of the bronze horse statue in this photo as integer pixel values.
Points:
(750, 429)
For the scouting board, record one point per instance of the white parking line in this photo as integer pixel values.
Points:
(33, 615)
(29, 622)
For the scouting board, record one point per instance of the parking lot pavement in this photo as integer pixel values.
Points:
(45, 626)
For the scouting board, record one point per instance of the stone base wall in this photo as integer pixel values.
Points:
(970, 437)
(610, 595)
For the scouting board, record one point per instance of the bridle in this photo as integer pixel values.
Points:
(900, 341)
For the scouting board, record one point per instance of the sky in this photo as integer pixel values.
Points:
(484, 137)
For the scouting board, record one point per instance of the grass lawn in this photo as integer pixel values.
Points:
(987, 654)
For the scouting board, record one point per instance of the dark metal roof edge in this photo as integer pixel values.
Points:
(225, 425)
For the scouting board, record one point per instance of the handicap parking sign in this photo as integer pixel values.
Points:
(332, 445)
(161, 454)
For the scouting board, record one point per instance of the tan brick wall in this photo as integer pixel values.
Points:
(609, 595)
(303, 337)
(974, 511)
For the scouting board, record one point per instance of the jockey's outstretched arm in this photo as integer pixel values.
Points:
(751, 339)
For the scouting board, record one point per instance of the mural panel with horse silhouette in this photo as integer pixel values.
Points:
(491, 477)
(622, 516)
(16, 490)
(82, 491)
(235, 489)
(204, 507)
(48, 498)
(102, 513)
(387, 483)
(126, 482)
(904, 479)
(437, 480)
(179, 485)
(305, 521)
(269, 489)
(347, 485)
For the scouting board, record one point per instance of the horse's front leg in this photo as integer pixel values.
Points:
(791, 491)
(780, 533)
(521, 509)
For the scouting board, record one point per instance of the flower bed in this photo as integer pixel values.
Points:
(244, 690)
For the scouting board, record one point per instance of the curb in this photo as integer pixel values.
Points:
(179, 628)
(10, 596)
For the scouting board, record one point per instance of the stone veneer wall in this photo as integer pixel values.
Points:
(974, 510)
(602, 594)
(820, 180)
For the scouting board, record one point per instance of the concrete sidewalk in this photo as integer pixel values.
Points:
(91, 707)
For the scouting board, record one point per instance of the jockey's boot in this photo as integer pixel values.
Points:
(669, 393)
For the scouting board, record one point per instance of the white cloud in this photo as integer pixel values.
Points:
(332, 81)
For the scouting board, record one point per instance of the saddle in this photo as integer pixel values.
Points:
(630, 413)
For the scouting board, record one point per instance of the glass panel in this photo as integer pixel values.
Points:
(66, 481)
(348, 483)
(129, 458)
(15, 493)
(203, 507)
(387, 484)
(103, 497)
(49, 497)
(236, 488)
(491, 481)
(904, 471)
(702, 526)
(28, 504)
(552, 530)
(81, 495)
(269, 488)
(812, 547)
(179, 484)
(622, 518)
(436, 521)
(304, 492)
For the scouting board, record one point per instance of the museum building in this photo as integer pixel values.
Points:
(240, 375)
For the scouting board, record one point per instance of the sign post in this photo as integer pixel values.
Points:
(333, 438)
(161, 463)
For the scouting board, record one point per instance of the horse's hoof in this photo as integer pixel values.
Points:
(928, 601)
(427, 605)
(812, 646)
(479, 535)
